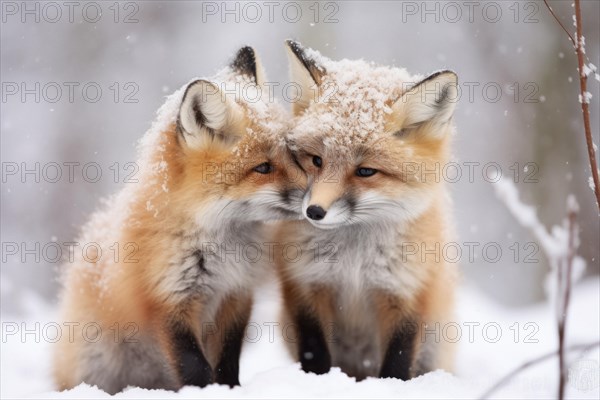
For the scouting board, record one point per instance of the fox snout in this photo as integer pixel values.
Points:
(321, 201)
(315, 212)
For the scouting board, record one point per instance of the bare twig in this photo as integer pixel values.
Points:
(560, 23)
(562, 256)
(585, 106)
(564, 295)
(580, 51)
(506, 378)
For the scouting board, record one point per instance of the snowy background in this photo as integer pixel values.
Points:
(518, 114)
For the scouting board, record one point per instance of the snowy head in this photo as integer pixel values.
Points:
(367, 136)
(224, 155)
(233, 140)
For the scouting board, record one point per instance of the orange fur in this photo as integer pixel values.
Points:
(380, 288)
(183, 192)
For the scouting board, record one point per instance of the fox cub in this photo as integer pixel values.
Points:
(172, 308)
(367, 295)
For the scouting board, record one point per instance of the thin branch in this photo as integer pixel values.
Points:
(560, 23)
(580, 51)
(506, 378)
(562, 257)
(585, 106)
(564, 292)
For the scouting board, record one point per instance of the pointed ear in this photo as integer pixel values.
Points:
(304, 71)
(432, 100)
(206, 115)
(246, 62)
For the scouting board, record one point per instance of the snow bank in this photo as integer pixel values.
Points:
(267, 371)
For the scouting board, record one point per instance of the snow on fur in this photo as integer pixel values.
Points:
(152, 188)
(355, 98)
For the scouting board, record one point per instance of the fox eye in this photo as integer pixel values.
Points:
(317, 161)
(365, 172)
(264, 168)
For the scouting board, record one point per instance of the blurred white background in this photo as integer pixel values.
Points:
(139, 52)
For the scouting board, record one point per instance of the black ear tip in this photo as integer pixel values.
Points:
(296, 48)
(245, 55)
(245, 61)
(245, 51)
(292, 43)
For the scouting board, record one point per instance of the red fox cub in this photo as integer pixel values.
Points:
(367, 295)
(172, 311)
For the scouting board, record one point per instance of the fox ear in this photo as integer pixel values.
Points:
(432, 100)
(246, 62)
(304, 71)
(206, 115)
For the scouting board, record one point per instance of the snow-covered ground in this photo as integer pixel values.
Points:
(493, 340)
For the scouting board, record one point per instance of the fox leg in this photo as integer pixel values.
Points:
(400, 353)
(308, 312)
(179, 339)
(312, 347)
(399, 336)
(186, 355)
(232, 319)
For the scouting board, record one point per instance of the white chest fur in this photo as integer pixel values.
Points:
(355, 260)
(214, 265)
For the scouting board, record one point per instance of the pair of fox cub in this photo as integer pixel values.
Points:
(220, 172)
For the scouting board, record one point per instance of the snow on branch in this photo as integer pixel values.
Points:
(554, 243)
(560, 246)
(584, 96)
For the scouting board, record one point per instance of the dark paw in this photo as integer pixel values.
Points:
(315, 364)
(227, 376)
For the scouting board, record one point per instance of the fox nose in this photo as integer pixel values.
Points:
(315, 212)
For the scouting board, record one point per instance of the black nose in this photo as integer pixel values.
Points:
(315, 212)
